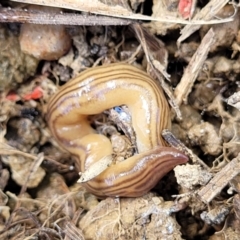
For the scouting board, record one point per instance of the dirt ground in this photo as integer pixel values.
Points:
(190, 49)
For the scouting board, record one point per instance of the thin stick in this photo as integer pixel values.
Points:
(220, 180)
(194, 67)
(98, 7)
(41, 17)
(176, 143)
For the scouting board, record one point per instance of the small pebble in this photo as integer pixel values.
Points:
(44, 42)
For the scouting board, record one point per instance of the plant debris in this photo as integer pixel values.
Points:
(191, 48)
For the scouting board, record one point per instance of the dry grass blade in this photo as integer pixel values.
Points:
(35, 165)
(6, 149)
(41, 17)
(206, 13)
(56, 206)
(157, 62)
(69, 228)
(72, 232)
(116, 10)
(96, 169)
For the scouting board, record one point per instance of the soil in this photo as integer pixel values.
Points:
(39, 193)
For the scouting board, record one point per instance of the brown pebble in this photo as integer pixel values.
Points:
(44, 42)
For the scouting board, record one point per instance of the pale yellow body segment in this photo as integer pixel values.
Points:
(101, 88)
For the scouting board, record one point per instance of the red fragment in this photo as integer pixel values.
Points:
(185, 8)
(12, 96)
(35, 94)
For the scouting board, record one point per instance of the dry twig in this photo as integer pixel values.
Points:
(194, 67)
(220, 180)
(206, 13)
(150, 45)
(118, 10)
(176, 143)
(41, 17)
